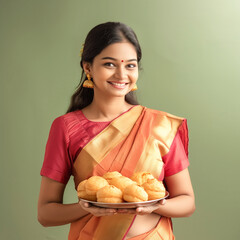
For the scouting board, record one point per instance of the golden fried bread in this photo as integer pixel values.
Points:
(135, 193)
(154, 188)
(121, 182)
(94, 183)
(109, 194)
(142, 177)
(81, 192)
(113, 187)
(110, 175)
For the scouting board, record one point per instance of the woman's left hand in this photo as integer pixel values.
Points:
(142, 210)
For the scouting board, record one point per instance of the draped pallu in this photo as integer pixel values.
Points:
(135, 141)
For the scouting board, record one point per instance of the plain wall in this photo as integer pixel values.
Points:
(191, 58)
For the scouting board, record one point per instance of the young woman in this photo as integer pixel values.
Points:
(105, 129)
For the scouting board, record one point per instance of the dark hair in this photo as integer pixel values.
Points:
(97, 39)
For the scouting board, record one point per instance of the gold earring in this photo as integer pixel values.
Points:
(134, 87)
(88, 83)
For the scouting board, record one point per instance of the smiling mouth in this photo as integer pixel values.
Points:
(118, 84)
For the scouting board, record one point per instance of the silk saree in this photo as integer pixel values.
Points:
(137, 140)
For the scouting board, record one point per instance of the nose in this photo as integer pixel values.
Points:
(120, 73)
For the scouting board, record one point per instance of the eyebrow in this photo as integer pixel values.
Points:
(114, 59)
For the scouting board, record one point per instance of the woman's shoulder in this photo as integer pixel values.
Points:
(68, 117)
(164, 114)
(67, 121)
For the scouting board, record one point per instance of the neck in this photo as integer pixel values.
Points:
(106, 109)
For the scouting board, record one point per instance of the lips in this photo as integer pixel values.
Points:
(118, 84)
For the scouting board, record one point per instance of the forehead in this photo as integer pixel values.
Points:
(123, 50)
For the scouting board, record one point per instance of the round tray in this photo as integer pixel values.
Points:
(125, 204)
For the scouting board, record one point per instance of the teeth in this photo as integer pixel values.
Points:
(119, 84)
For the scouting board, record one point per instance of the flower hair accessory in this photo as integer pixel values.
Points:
(81, 51)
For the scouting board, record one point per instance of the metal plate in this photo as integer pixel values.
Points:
(125, 204)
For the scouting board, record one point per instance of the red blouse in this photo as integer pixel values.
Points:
(71, 132)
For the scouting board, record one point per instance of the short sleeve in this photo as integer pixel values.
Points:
(176, 159)
(57, 164)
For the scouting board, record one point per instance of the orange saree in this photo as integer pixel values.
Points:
(135, 141)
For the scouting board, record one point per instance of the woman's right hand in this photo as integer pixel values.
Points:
(51, 210)
(97, 211)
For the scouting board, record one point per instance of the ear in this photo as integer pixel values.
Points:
(87, 67)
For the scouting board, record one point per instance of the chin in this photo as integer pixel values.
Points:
(120, 94)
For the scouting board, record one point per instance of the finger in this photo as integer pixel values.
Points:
(126, 211)
(105, 212)
(163, 202)
(110, 210)
(139, 210)
(86, 205)
(146, 210)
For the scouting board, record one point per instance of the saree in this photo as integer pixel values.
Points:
(135, 141)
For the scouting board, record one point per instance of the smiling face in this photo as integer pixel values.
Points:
(114, 71)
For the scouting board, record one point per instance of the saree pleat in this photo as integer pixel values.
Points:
(135, 141)
(163, 231)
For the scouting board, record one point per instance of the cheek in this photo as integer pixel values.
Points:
(100, 74)
(135, 76)
(104, 73)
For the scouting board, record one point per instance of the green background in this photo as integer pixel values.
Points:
(191, 68)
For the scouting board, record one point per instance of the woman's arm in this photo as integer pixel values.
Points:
(181, 202)
(51, 210)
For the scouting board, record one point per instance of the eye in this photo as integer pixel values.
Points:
(131, 65)
(109, 64)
